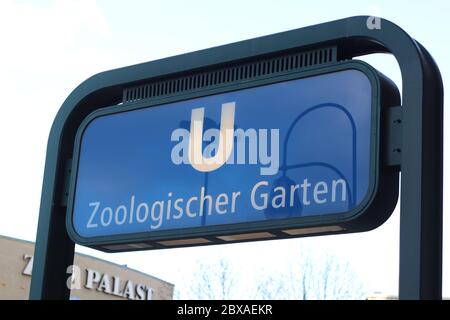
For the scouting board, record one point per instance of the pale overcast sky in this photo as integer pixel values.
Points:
(48, 47)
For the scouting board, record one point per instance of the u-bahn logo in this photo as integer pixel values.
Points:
(226, 145)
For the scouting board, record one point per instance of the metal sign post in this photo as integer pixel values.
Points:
(418, 153)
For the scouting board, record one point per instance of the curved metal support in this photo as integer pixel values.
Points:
(422, 99)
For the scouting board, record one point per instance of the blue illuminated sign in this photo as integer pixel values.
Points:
(300, 149)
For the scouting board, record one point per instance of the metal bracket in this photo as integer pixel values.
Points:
(392, 155)
(66, 186)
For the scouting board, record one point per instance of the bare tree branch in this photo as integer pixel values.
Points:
(312, 276)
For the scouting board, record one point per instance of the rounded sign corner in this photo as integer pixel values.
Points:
(73, 234)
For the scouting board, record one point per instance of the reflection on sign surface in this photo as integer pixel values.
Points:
(292, 149)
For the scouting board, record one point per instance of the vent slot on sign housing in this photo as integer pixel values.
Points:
(231, 74)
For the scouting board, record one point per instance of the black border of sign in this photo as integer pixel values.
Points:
(346, 222)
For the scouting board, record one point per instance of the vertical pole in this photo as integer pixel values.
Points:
(421, 189)
(54, 251)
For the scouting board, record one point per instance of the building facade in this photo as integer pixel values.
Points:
(89, 278)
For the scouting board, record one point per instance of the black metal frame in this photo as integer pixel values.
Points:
(421, 149)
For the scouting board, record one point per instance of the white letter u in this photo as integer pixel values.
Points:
(226, 138)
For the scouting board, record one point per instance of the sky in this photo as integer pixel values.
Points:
(48, 47)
